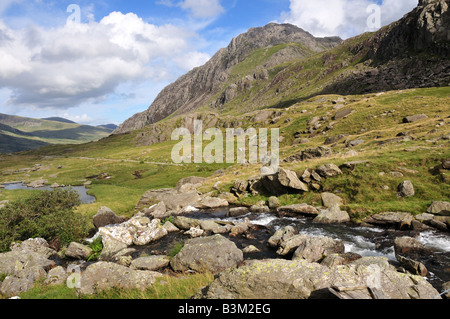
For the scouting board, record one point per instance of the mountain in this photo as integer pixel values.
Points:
(22, 133)
(284, 42)
(59, 119)
(111, 127)
(277, 66)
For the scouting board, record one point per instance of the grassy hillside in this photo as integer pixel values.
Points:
(21, 134)
(369, 188)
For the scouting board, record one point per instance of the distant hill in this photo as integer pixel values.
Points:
(59, 119)
(109, 126)
(21, 133)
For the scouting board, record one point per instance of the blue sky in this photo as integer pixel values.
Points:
(110, 60)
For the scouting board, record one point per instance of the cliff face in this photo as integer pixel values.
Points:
(413, 52)
(196, 87)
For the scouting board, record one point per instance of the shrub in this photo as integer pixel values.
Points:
(49, 215)
(97, 248)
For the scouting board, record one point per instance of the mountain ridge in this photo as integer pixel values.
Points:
(198, 85)
(22, 133)
(411, 52)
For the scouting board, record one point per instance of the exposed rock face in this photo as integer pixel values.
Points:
(196, 87)
(300, 279)
(412, 52)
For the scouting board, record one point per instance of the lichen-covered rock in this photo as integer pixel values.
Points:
(207, 254)
(300, 279)
(78, 251)
(104, 275)
(315, 249)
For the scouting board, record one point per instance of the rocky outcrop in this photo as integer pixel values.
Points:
(24, 264)
(300, 279)
(194, 89)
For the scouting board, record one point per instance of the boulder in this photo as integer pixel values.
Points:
(195, 232)
(23, 267)
(238, 211)
(300, 279)
(329, 170)
(318, 152)
(251, 249)
(56, 276)
(35, 245)
(289, 179)
(158, 211)
(408, 246)
(152, 263)
(413, 266)
(398, 220)
(332, 215)
(439, 208)
(174, 200)
(78, 251)
(275, 239)
(185, 223)
(288, 244)
(138, 231)
(405, 189)
(315, 249)
(340, 259)
(414, 118)
(207, 254)
(355, 143)
(104, 275)
(38, 183)
(274, 202)
(105, 217)
(296, 210)
(329, 200)
(209, 202)
(193, 181)
(342, 113)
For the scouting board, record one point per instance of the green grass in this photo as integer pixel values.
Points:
(166, 287)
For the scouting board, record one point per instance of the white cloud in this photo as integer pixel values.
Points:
(65, 66)
(345, 18)
(202, 8)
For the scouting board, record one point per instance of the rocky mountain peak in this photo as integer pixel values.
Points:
(195, 88)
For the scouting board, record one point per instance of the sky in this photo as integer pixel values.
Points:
(100, 62)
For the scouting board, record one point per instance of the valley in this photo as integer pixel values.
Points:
(362, 193)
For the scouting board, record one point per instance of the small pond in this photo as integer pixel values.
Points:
(81, 190)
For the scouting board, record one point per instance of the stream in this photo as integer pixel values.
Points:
(365, 241)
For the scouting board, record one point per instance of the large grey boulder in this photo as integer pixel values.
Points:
(332, 215)
(297, 210)
(329, 170)
(315, 249)
(399, 220)
(25, 264)
(207, 254)
(439, 208)
(300, 279)
(289, 179)
(330, 199)
(405, 189)
(152, 263)
(104, 275)
(138, 231)
(105, 217)
(78, 251)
